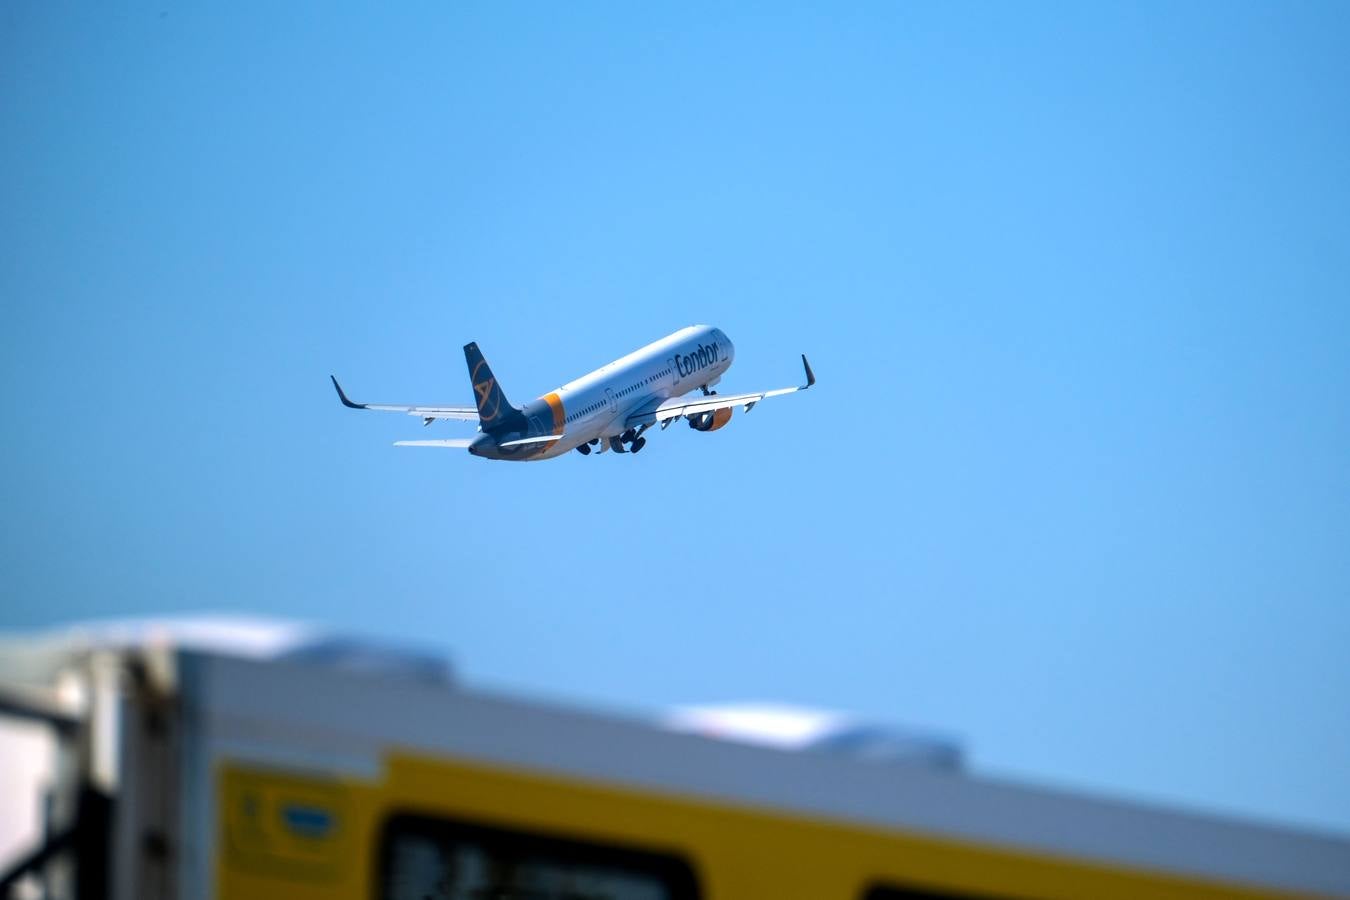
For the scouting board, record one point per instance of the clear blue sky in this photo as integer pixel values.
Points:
(1074, 485)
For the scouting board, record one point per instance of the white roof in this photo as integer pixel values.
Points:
(786, 727)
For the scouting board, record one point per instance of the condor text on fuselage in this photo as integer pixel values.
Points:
(611, 408)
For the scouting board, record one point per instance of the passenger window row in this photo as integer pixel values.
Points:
(623, 393)
(584, 412)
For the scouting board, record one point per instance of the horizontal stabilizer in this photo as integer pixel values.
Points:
(520, 442)
(454, 443)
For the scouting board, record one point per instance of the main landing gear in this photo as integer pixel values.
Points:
(636, 442)
(631, 441)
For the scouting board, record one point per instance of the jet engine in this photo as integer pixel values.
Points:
(710, 421)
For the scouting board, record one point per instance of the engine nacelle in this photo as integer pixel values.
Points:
(710, 421)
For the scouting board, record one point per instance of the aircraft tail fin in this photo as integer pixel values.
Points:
(494, 410)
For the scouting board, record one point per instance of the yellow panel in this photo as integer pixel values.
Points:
(735, 852)
(283, 826)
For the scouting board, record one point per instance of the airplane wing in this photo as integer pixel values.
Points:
(427, 414)
(688, 406)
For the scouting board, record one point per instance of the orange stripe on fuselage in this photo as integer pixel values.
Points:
(559, 414)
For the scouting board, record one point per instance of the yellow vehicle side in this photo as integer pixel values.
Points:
(735, 852)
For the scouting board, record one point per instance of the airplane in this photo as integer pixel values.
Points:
(608, 409)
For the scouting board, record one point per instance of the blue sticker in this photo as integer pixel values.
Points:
(308, 821)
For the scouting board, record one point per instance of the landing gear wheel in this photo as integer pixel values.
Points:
(584, 449)
(637, 445)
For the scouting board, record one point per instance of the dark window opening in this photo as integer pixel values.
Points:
(434, 859)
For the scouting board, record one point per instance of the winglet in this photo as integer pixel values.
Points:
(810, 376)
(343, 397)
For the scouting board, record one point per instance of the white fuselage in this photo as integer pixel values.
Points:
(597, 405)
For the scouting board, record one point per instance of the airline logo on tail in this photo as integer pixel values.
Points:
(485, 390)
(494, 410)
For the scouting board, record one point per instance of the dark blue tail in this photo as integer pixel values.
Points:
(495, 412)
